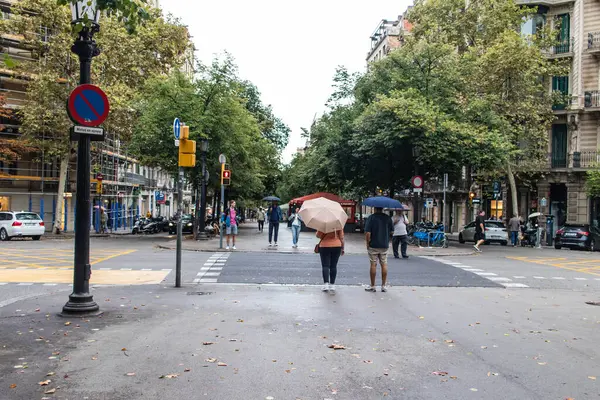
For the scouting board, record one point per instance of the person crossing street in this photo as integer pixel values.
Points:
(275, 215)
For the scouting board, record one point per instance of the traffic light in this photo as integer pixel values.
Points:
(187, 148)
(99, 187)
(226, 177)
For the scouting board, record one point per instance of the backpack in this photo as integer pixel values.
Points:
(228, 221)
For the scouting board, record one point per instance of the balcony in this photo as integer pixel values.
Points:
(593, 46)
(591, 100)
(562, 49)
(548, 3)
(575, 160)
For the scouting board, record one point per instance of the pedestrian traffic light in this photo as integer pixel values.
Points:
(99, 187)
(187, 148)
(226, 177)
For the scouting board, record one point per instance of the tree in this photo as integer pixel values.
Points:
(506, 71)
(125, 63)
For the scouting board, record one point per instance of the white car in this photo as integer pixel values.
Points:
(495, 232)
(20, 224)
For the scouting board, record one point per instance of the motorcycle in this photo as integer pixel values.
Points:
(147, 226)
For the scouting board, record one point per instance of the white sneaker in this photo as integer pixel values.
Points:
(331, 287)
(270, 244)
(325, 288)
(227, 248)
(234, 248)
(275, 244)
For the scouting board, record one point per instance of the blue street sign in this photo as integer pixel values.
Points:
(176, 128)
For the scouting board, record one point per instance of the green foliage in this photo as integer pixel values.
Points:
(592, 183)
(132, 13)
(465, 89)
(216, 106)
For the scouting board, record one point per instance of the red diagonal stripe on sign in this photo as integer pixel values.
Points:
(89, 105)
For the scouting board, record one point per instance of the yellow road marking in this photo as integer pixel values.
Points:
(22, 263)
(33, 257)
(571, 266)
(113, 256)
(98, 277)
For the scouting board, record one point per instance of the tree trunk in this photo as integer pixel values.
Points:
(58, 220)
(513, 190)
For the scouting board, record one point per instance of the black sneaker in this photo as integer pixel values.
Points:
(370, 289)
(405, 256)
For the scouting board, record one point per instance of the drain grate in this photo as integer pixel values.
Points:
(198, 293)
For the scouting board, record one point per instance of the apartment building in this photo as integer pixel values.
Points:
(388, 35)
(573, 137)
(30, 183)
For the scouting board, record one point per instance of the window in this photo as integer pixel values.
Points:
(564, 34)
(533, 25)
(560, 84)
(27, 217)
(559, 146)
(2, 216)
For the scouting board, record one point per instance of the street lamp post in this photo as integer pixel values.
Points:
(80, 300)
(202, 233)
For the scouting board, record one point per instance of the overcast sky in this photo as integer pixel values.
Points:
(288, 49)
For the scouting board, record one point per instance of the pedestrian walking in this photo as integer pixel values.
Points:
(296, 226)
(479, 231)
(514, 225)
(260, 217)
(400, 234)
(231, 224)
(378, 229)
(102, 220)
(330, 248)
(274, 214)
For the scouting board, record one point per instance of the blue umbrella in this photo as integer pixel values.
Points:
(382, 202)
(271, 198)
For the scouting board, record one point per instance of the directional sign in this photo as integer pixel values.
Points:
(88, 105)
(176, 128)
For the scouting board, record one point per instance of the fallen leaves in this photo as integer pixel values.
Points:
(44, 383)
(50, 391)
(448, 341)
(169, 376)
(187, 370)
(592, 378)
(221, 364)
(207, 343)
(50, 373)
(67, 323)
(123, 349)
(440, 373)
(130, 374)
(337, 347)
(368, 361)
(492, 374)
(211, 360)
(13, 386)
(421, 317)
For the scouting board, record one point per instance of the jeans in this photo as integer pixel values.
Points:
(329, 260)
(273, 226)
(514, 237)
(261, 225)
(403, 241)
(295, 234)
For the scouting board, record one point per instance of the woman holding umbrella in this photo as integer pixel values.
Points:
(328, 218)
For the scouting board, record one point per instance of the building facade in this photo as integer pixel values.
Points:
(120, 184)
(388, 35)
(573, 137)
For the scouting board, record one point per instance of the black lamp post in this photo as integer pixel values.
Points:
(204, 150)
(81, 301)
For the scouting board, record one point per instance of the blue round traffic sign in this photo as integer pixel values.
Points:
(176, 128)
(88, 105)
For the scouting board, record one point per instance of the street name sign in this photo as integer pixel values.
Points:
(88, 105)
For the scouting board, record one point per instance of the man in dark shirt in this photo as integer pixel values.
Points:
(479, 231)
(378, 230)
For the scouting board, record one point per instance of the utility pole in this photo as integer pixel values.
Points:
(444, 203)
(222, 160)
(187, 158)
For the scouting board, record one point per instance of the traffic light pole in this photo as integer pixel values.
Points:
(221, 206)
(179, 228)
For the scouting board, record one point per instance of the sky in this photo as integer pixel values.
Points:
(288, 49)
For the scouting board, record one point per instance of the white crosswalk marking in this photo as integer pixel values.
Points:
(499, 279)
(539, 277)
(486, 273)
(581, 279)
(558, 278)
(515, 285)
(519, 277)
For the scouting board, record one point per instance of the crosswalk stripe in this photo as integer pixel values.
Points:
(499, 279)
(515, 285)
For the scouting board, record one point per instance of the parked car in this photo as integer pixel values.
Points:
(577, 236)
(187, 225)
(495, 232)
(20, 224)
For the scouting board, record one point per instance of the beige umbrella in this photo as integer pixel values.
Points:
(323, 215)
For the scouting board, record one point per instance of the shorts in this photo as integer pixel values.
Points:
(231, 230)
(378, 254)
(479, 236)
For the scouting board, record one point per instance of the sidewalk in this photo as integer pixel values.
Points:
(250, 240)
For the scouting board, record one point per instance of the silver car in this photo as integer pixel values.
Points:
(495, 232)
